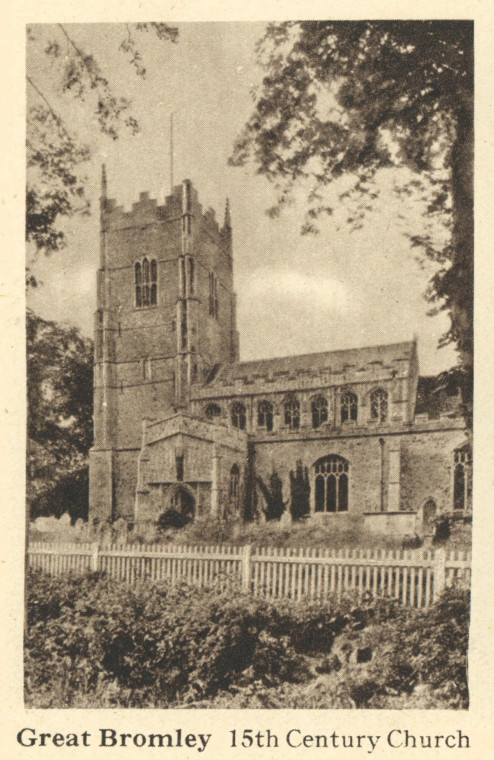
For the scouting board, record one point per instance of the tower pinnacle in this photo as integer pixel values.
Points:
(104, 187)
(228, 221)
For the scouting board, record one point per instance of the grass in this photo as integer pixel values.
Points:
(306, 533)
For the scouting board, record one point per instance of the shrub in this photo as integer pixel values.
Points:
(165, 643)
(94, 641)
(173, 518)
(442, 528)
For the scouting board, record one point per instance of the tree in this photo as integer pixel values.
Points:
(55, 154)
(59, 423)
(273, 496)
(353, 98)
(299, 491)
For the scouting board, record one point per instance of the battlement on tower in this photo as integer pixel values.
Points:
(147, 210)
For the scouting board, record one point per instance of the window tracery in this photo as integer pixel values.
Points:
(292, 413)
(331, 484)
(379, 405)
(319, 409)
(348, 406)
(265, 415)
(146, 282)
(462, 478)
(238, 415)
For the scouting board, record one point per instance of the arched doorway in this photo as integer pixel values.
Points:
(184, 502)
(429, 511)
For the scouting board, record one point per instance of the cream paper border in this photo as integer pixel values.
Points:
(476, 722)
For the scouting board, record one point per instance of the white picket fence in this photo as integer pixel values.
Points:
(415, 577)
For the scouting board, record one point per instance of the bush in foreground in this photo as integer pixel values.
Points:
(93, 642)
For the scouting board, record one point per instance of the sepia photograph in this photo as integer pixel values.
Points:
(249, 341)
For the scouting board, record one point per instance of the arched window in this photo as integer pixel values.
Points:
(319, 408)
(331, 484)
(138, 281)
(146, 282)
(238, 415)
(212, 411)
(265, 415)
(213, 296)
(234, 496)
(349, 406)
(292, 413)
(379, 405)
(462, 480)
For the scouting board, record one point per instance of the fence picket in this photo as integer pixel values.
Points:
(414, 578)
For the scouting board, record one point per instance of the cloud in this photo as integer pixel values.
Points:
(300, 289)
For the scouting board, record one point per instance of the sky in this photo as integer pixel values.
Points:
(296, 294)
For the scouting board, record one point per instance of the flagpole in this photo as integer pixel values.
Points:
(171, 151)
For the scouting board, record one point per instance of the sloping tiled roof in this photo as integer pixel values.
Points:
(311, 364)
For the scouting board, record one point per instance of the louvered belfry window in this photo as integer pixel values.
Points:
(146, 283)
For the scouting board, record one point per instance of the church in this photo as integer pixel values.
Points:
(181, 423)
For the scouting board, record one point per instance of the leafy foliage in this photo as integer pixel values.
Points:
(98, 640)
(59, 426)
(55, 155)
(173, 518)
(299, 491)
(273, 496)
(429, 648)
(352, 98)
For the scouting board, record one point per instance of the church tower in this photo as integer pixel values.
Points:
(165, 317)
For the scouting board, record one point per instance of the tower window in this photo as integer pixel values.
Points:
(319, 409)
(331, 484)
(213, 296)
(239, 416)
(292, 413)
(146, 283)
(349, 406)
(265, 415)
(462, 478)
(379, 405)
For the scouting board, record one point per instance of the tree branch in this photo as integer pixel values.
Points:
(51, 110)
(80, 54)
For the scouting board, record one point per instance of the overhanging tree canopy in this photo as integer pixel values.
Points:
(55, 153)
(351, 98)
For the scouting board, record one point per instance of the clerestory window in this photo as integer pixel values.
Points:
(319, 409)
(349, 406)
(239, 416)
(292, 413)
(379, 405)
(265, 415)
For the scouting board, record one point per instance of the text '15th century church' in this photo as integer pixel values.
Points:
(181, 423)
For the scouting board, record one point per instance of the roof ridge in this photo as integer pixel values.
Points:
(407, 343)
